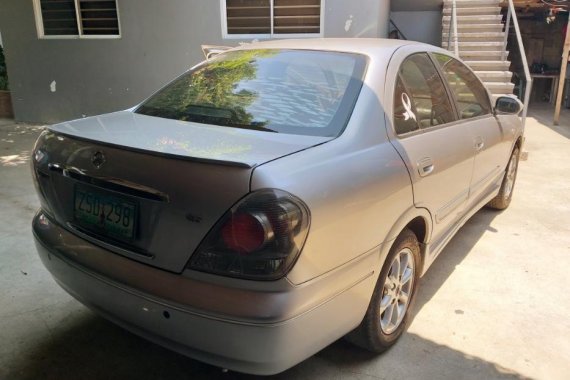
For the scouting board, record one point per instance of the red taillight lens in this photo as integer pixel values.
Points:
(245, 233)
(259, 238)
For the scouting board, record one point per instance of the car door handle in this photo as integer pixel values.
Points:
(479, 143)
(425, 166)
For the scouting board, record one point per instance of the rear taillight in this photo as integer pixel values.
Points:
(259, 238)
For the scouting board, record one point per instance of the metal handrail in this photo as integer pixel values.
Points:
(455, 36)
(512, 15)
(453, 24)
(398, 29)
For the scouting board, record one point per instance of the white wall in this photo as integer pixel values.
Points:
(422, 26)
(361, 18)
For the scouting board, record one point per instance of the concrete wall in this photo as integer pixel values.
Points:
(424, 26)
(55, 80)
(357, 18)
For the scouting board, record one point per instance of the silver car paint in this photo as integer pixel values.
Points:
(195, 186)
(353, 185)
(249, 346)
(478, 185)
(185, 139)
(360, 195)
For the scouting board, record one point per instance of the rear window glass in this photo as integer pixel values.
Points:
(283, 91)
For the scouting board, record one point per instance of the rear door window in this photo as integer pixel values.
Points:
(420, 98)
(470, 94)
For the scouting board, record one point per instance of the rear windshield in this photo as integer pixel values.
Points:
(284, 91)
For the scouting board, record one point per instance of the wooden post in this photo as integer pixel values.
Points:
(562, 80)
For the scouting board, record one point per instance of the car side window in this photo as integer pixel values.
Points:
(472, 98)
(420, 98)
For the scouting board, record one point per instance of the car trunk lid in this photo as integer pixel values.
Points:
(179, 177)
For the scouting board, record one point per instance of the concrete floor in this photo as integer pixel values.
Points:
(494, 305)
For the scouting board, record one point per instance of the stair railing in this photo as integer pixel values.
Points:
(398, 30)
(512, 16)
(452, 31)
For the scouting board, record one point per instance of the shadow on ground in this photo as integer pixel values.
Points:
(453, 254)
(544, 114)
(93, 348)
(88, 347)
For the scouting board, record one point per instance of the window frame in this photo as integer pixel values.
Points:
(448, 91)
(226, 35)
(80, 36)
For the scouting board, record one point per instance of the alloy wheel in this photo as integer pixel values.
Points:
(397, 291)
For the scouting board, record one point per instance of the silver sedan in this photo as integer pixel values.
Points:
(275, 198)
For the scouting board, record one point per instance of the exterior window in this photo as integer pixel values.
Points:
(77, 18)
(281, 91)
(470, 94)
(269, 18)
(420, 99)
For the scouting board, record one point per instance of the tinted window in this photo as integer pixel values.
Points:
(284, 91)
(404, 121)
(420, 96)
(471, 96)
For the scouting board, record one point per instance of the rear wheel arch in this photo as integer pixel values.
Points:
(419, 227)
(419, 222)
(417, 219)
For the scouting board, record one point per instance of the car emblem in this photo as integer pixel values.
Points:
(98, 159)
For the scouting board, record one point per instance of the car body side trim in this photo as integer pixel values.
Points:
(448, 208)
(476, 187)
(435, 248)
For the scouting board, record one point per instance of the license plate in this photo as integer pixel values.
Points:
(105, 214)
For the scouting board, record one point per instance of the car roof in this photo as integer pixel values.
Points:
(366, 46)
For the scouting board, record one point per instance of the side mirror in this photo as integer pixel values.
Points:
(508, 105)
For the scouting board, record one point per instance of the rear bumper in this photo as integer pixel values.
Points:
(293, 323)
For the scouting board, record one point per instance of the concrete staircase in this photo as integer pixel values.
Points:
(480, 39)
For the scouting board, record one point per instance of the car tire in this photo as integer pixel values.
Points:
(505, 195)
(378, 331)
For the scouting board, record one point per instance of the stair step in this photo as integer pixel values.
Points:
(479, 46)
(483, 55)
(491, 19)
(471, 3)
(476, 36)
(495, 76)
(488, 65)
(500, 87)
(487, 57)
(489, 11)
(468, 28)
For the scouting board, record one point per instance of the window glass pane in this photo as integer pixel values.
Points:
(59, 18)
(284, 91)
(248, 16)
(472, 98)
(99, 17)
(426, 100)
(296, 16)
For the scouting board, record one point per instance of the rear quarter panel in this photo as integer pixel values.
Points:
(355, 186)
